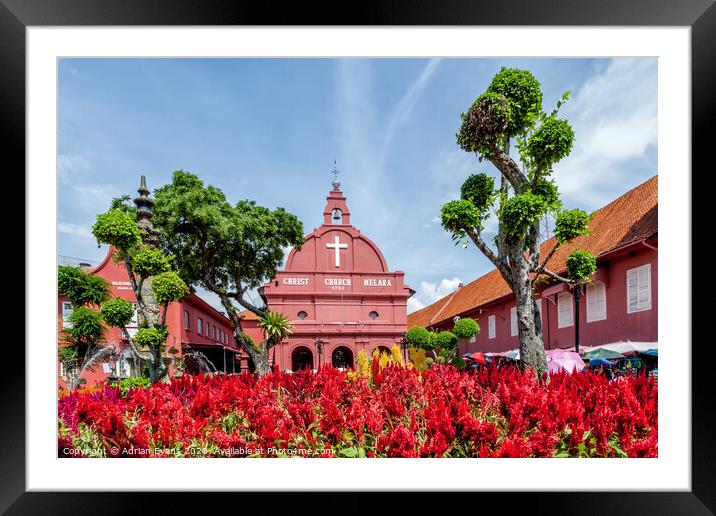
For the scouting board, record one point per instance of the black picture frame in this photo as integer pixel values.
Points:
(700, 15)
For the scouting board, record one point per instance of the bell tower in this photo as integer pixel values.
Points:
(336, 212)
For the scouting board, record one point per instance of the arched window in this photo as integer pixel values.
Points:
(302, 315)
(373, 315)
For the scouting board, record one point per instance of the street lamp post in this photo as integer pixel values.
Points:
(577, 296)
(404, 345)
(319, 349)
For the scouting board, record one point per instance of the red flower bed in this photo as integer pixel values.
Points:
(397, 413)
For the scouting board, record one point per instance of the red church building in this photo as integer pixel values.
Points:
(339, 293)
(620, 304)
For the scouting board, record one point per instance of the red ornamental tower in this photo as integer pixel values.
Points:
(339, 293)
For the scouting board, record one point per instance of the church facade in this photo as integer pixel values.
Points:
(339, 293)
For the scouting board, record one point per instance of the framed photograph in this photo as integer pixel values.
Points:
(420, 242)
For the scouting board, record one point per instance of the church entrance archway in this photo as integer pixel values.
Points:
(301, 358)
(382, 349)
(342, 358)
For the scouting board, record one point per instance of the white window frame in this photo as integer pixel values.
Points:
(592, 295)
(513, 322)
(647, 304)
(561, 323)
(187, 320)
(491, 327)
(199, 326)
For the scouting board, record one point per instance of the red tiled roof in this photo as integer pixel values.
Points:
(248, 315)
(631, 218)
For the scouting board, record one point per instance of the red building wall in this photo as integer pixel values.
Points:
(619, 325)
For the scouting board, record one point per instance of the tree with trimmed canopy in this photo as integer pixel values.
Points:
(227, 249)
(511, 110)
(129, 230)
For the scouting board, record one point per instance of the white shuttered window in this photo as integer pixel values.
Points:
(596, 302)
(491, 327)
(565, 310)
(639, 289)
(513, 321)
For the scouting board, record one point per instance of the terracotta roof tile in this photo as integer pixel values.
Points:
(248, 315)
(629, 219)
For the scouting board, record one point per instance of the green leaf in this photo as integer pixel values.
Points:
(349, 452)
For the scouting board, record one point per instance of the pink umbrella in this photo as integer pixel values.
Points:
(560, 360)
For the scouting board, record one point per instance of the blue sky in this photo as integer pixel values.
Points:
(269, 130)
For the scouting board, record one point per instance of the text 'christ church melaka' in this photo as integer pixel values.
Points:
(338, 292)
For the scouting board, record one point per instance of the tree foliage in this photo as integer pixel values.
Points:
(276, 325)
(80, 287)
(149, 262)
(418, 337)
(118, 229)
(570, 224)
(466, 328)
(523, 94)
(228, 249)
(446, 340)
(580, 265)
(85, 326)
(168, 287)
(519, 214)
(485, 124)
(117, 312)
(232, 247)
(551, 142)
(151, 337)
(479, 189)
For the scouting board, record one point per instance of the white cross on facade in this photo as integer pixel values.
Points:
(337, 246)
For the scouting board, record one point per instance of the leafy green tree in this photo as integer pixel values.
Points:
(466, 328)
(511, 110)
(128, 229)
(228, 249)
(84, 349)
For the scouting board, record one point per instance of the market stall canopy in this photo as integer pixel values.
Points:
(559, 360)
(601, 353)
(624, 347)
(599, 362)
(477, 357)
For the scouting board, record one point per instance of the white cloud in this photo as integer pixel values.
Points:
(70, 163)
(406, 104)
(614, 116)
(77, 230)
(428, 293)
(365, 141)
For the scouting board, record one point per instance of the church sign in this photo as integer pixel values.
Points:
(295, 281)
(377, 282)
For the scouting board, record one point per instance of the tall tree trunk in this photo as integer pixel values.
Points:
(529, 326)
(260, 360)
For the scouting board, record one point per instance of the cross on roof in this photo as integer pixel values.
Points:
(335, 173)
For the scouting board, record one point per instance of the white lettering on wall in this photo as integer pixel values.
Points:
(377, 283)
(122, 285)
(345, 282)
(295, 281)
